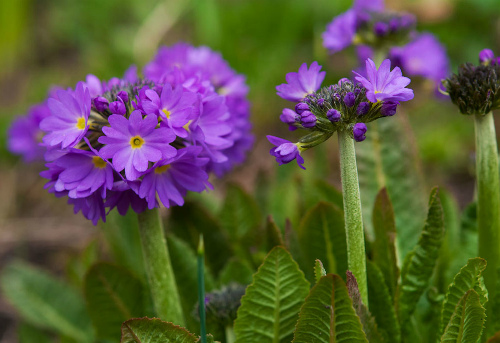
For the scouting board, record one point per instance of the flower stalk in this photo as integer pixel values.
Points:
(356, 260)
(488, 199)
(159, 270)
(201, 290)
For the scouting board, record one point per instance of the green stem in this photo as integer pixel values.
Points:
(488, 201)
(356, 260)
(201, 290)
(159, 270)
(230, 337)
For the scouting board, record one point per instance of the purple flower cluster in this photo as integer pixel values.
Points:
(370, 26)
(131, 142)
(345, 106)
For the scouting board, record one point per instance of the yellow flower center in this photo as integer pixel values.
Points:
(98, 162)
(80, 123)
(186, 127)
(136, 142)
(167, 112)
(162, 169)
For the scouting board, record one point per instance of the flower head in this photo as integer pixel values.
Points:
(384, 84)
(306, 81)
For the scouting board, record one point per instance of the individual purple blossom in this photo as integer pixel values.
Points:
(123, 95)
(389, 108)
(118, 107)
(92, 207)
(486, 55)
(340, 32)
(363, 108)
(301, 107)
(359, 131)
(308, 119)
(24, 134)
(289, 116)
(384, 84)
(285, 151)
(333, 115)
(123, 196)
(173, 177)
(67, 123)
(101, 104)
(132, 143)
(349, 99)
(306, 81)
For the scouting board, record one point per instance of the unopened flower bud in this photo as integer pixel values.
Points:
(101, 103)
(359, 131)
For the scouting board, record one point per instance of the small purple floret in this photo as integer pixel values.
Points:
(359, 131)
(288, 116)
(381, 28)
(389, 108)
(308, 119)
(301, 107)
(285, 151)
(117, 107)
(349, 99)
(333, 115)
(321, 101)
(122, 95)
(486, 55)
(101, 103)
(300, 84)
(363, 108)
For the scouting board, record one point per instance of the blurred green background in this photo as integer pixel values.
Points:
(57, 42)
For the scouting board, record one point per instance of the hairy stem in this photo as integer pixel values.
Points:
(488, 200)
(158, 268)
(201, 290)
(356, 260)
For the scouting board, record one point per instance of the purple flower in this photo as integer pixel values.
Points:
(101, 103)
(349, 99)
(118, 107)
(359, 131)
(92, 207)
(289, 116)
(124, 195)
(308, 119)
(285, 151)
(300, 84)
(67, 123)
(340, 32)
(424, 56)
(363, 108)
(301, 107)
(24, 134)
(486, 55)
(83, 173)
(132, 143)
(384, 84)
(333, 115)
(389, 108)
(173, 177)
(175, 107)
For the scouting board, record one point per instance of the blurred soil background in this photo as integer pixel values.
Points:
(57, 42)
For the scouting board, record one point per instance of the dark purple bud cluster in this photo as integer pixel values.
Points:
(222, 305)
(384, 29)
(476, 89)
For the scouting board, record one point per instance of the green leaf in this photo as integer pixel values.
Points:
(78, 265)
(46, 302)
(327, 315)
(322, 236)
(319, 270)
(188, 221)
(113, 295)
(466, 323)
(27, 333)
(420, 265)
(381, 304)
(495, 338)
(367, 321)
(145, 330)
(469, 277)
(273, 234)
(236, 271)
(329, 193)
(270, 306)
(384, 247)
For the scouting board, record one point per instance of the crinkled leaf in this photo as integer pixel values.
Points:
(270, 306)
(328, 316)
(319, 270)
(46, 302)
(322, 236)
(419, 268)
(113, 295)
(381, 304)
(145, 330)
(469, 277)
(367, 320)
(466, 323)
(384, 247)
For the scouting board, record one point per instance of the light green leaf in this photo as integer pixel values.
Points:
(270, 306)
(466, 323)
(367, 321)
(384, 247)
(236, 271)
(327, 315)
(319, 270)
(46, 302)
(469, 277)
(322, 236)
(113, 295)
(381, 304)
(420, 265)
(145, 330)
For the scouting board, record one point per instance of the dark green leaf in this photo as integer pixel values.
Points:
(322, 236)
(466, 323)
(79, 265)
(384, 247)
(46, 302)
(330, 193)
(381, 304)
(28, 334)
(270, 306)
(327, 315)
(468, 278)
(273, 234)
(319, 270)
(236, 271)
(145, 330)
(420, 265)
(113, 295)
(367, 321)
